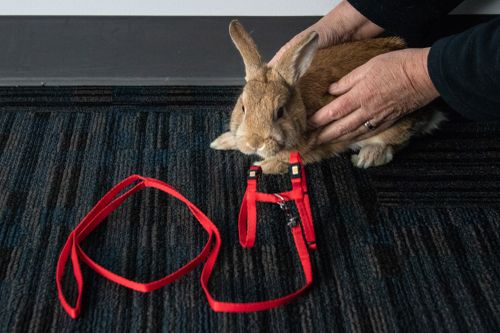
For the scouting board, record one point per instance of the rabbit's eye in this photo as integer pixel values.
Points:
(280, 112)
(242, 109)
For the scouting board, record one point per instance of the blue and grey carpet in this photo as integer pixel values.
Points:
(411, 246)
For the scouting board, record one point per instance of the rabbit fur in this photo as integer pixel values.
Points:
(270, 116)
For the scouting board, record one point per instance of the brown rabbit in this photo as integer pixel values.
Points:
(270, 116)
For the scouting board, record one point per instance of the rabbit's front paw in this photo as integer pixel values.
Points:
(372, 155)
(272, 166)
(225, 141)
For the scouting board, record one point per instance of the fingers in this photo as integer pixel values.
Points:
(344, 104)
(345, 125)
(380, 91)
(350, 126)
(363, 132)
(338, 108)
(353, 127)
(347, 82)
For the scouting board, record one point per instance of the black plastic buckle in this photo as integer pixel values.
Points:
(295, 170)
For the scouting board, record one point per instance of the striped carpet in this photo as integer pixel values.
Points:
(412, 246)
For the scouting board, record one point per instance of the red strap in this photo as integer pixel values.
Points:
(247, 220)
(302, 202)
(101, 210)
(246, 226)
(248, 211)
(220, 306)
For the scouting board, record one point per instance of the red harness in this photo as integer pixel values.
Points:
(246, 225)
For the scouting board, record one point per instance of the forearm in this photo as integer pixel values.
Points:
(405, 18)
(465, 69)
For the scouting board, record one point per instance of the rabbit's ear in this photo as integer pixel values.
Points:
(296, 60)
(248, 50)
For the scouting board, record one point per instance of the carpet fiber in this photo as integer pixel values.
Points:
(411, 246)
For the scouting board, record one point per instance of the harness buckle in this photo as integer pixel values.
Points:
(254, 172)
(292, 219)
(295, 170)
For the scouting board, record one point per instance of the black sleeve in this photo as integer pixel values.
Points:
(465, 69)
(407, 18)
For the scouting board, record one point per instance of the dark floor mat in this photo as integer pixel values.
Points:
(411, 246)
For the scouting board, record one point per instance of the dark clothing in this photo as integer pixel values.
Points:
(465, 68)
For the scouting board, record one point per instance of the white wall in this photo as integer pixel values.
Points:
(199, 7)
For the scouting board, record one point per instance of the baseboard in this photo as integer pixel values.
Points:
(79, 51)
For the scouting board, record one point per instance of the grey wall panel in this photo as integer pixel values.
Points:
(56, 50)
(131, 50)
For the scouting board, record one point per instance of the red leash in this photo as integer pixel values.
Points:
(246, 225)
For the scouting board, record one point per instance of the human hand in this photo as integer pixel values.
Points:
(380, 92)
(343, 23)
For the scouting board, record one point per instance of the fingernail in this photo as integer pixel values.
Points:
(332, 88)
(311, 123)
(320, 140)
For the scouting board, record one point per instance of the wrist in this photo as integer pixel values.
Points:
(364, 27)
(417, 69)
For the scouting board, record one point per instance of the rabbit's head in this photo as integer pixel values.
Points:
(269, 115)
